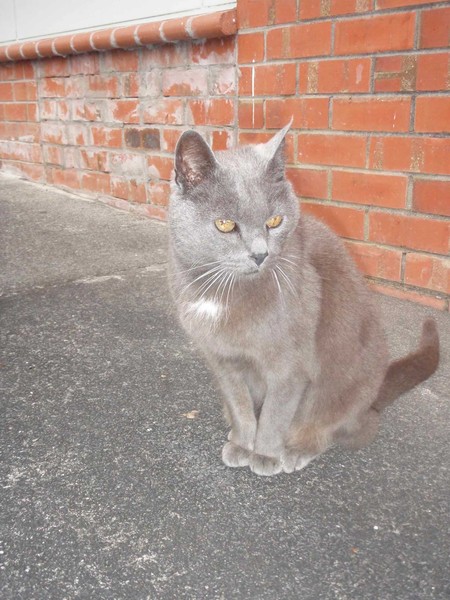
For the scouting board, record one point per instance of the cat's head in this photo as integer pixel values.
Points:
(234, 207)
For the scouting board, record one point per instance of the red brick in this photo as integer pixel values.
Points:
(298, 41)
(160, 167)
(405, 294)
(370, 188)
(250, 47)
(166, 55)
(416, 154)
(97, 182)
(53, 155)
(166, 111)
(221, 140)
(222, 81)
(346, 222)
(213, 51)
(105, 136)
(253, 137)
(16, 131)
(214, 111)
(103, 85)
(371, 114)
(25, 90)
(159, 192)
(395, 73)
(125, 111)
(255, 13)
(435, 28)
(431, 196)
(6, 91)
(285, 11)
(186, 82)
(85, 110)
(120, 60)
(322, 149)
(54, 133)
(428, 272)
(32, 171)
(309, 183)
(22, 151)
(383, 33)
(131, 85)
(429, 235)
(398, 3)
(376, 261)
(308, 113)
(251, 114)
(77, 134)
(15, 112)
(314, 9)
(433, 72)
(169, 139)
(432, 114)
(66, 177)
(278, 79)
(335, 76)
(52, 88)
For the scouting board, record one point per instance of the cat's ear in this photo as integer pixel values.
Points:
(273, 151)
(194, 160)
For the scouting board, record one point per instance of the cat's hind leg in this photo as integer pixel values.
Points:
(360, 432)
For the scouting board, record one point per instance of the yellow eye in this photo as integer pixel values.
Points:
(225, 225)
(274, 222)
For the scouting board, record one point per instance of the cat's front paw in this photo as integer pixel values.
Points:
(265, 465)
(293, 460)
(235, 456)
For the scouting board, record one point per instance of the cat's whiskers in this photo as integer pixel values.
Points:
(286, 278)
(277, 281)
(216, 277)
(288, 261)
(210, 272)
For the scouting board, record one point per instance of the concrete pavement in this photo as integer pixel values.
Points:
(111, 430)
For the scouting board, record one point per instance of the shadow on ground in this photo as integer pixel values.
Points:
(109, 490)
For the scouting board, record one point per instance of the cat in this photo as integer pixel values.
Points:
(279, 310)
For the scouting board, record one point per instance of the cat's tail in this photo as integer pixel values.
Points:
(407, 372)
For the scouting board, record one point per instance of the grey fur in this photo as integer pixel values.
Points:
(295, 343)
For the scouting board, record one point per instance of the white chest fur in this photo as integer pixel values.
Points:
(205, 309)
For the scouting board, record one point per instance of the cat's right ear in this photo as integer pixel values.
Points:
(194, 160)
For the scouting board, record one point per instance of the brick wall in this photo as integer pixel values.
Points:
(106, 124)
(367, 82)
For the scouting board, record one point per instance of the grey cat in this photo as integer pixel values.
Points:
(279, 310)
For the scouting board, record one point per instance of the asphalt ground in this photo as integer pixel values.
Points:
(111, 431)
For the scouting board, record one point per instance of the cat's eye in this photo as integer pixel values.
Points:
(274, 222)
(225, 225)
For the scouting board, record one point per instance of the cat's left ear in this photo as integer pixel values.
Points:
(194, 160)
(273, 151)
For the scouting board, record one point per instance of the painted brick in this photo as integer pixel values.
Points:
(53, 155)
(222, 81)
(96, 182)
(167, 55)
(376, 261)
(341, 150)
(412, 232)
(212, 51)
(435, 28)
(159, 192)
(432, 114)
(370, 188)
(107, 137)
(307, 113)
(54, 133)
(64, 177)
(214, 111)
(160, 167)
(167, 111)
(186, 82)
(84, 110)
(124, 111)
(127, 164)
(431, 196)
(55, 67)
(169, 139)
(77, 134)
(313, 9)
(277, 79)
(221, 140)
(85, 64)
(299, 41)
(415, 154)
(309, 183)
(150, 85)
(94, 160)
(429, 272)
(120, 60)
(130, 190)
(346, 222)
(103, 85)
(383, 33)
(335, 76)
(53, 87)
(371, 114)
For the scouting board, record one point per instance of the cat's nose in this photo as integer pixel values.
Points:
(260, 258)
